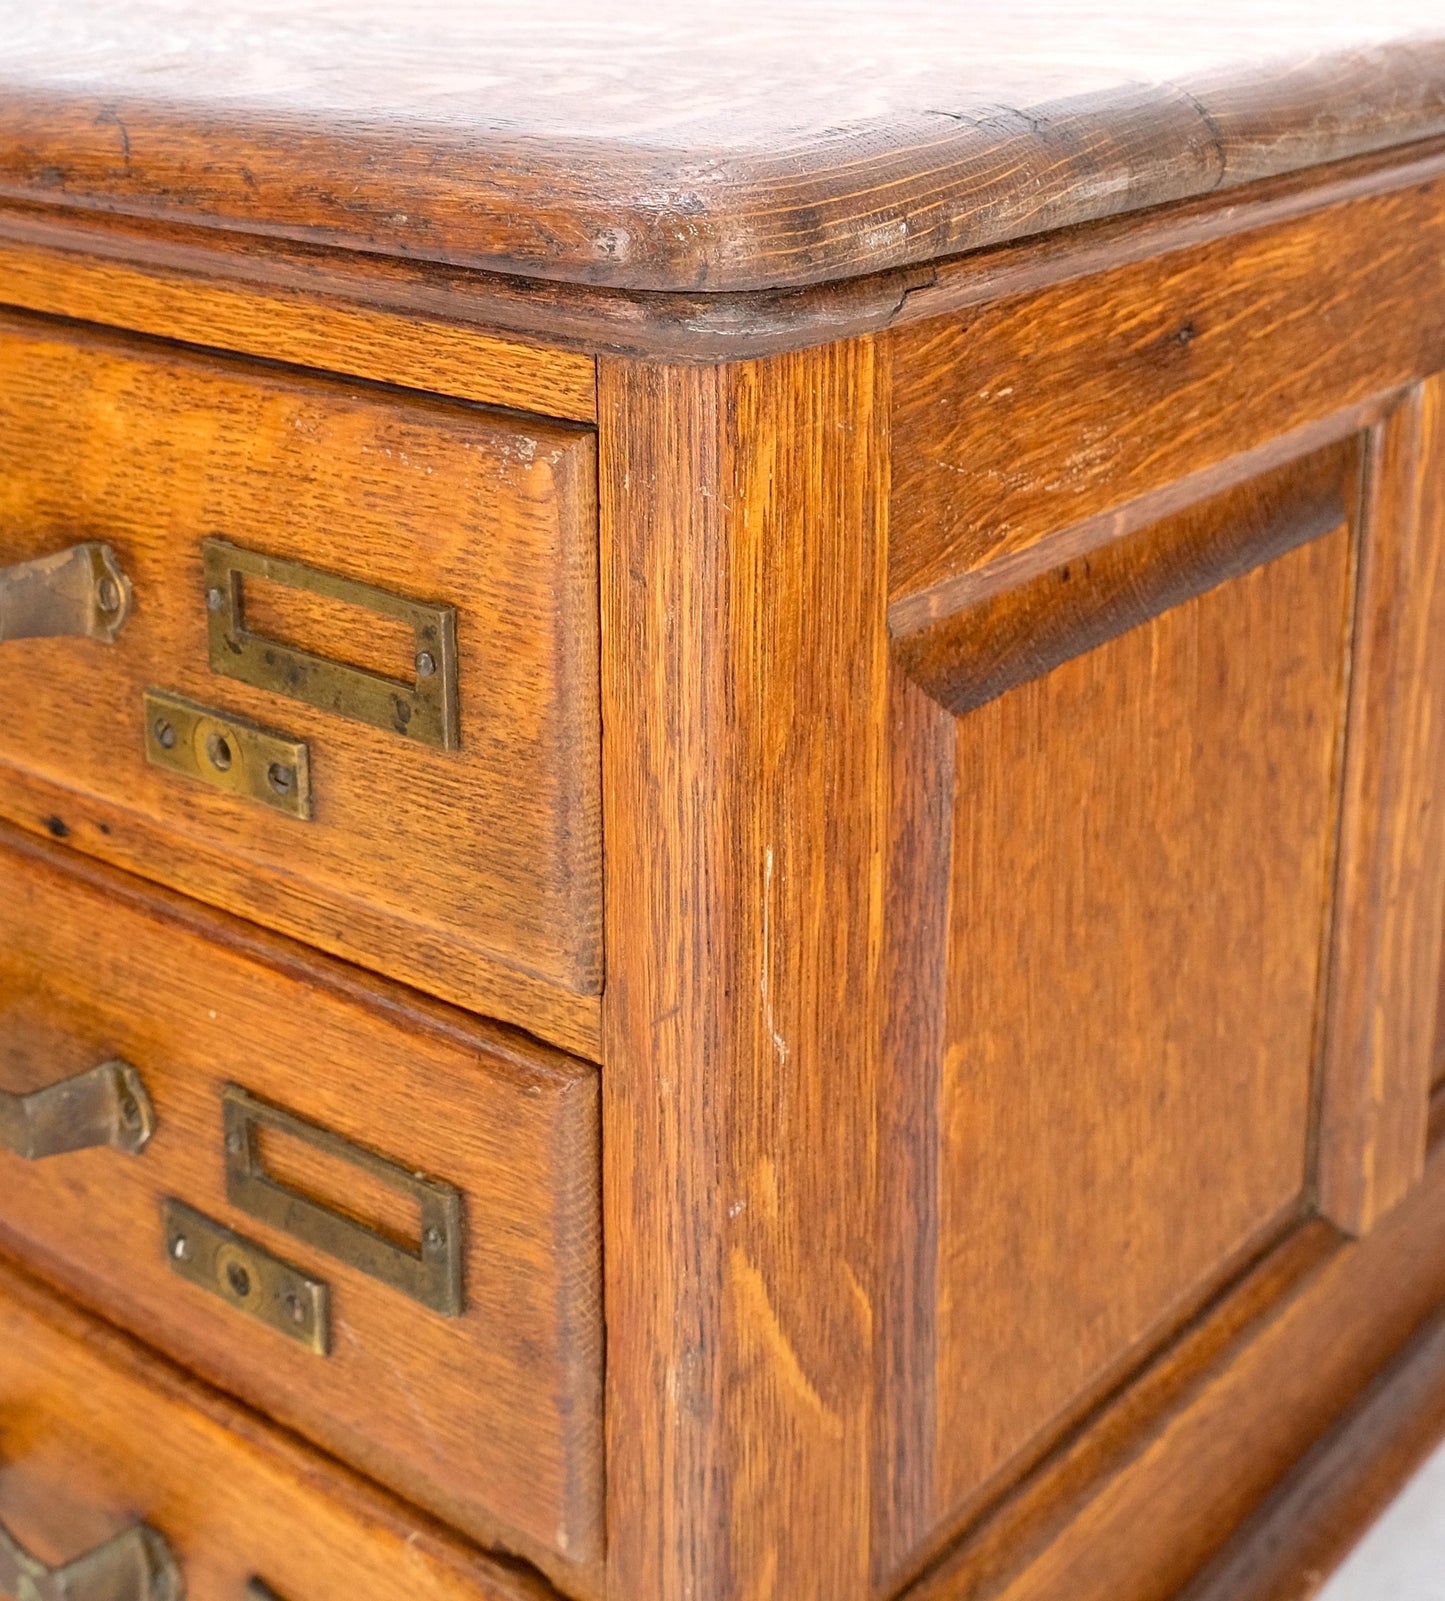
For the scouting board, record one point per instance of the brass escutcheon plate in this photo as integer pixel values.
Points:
(423, 708)
(228, 753)
(246, 1276)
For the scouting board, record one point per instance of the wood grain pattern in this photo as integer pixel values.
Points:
(1384, 986)
(1438, 1070)
(97, 1433)
(1140, 1500)
(661, 149)
(1307, 1528)
(1035, 414)
(143, 274)
(474, 874)
(443, 355)
(1124, 1091)
(1082, 598)
(1037, 1505)
(492, 1420)
(919, 883)
(743, 543)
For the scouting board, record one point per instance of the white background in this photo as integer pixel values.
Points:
(1403, 1557)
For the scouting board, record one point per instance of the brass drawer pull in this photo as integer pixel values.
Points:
(431, 1274)
(78, 593)
(107, 1106)
(424, 709)
(135, 1566)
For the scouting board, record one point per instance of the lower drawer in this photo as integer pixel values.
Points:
(100, 1439)
(370, 1216)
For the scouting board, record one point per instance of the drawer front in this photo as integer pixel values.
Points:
(101, 1439)
(399, 592)
(367, 1214)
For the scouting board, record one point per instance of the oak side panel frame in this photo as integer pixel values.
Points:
(744, 668)
(1383, 979)
(923, 778)
(1295, 729)
(1143, 377)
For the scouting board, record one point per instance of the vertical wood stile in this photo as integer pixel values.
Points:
(922, 782)
(744, 598)
(1384, 974)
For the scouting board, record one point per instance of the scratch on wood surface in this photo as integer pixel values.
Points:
(765, 976)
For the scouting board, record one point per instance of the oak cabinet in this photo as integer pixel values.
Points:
(722, 800)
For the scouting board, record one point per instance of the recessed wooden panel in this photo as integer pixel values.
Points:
(472, 873)
(1108, 1086)
(491, 1418)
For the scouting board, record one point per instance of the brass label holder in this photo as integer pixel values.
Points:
(423, 709)
(430, 1274)
(247, 1276)
(228, 753)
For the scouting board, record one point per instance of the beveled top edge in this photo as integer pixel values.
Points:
(644, 148)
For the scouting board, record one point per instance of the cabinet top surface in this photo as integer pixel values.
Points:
(648, 145)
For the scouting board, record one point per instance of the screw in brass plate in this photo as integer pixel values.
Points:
(215, 600)
(107, 596)
(218, 752)
(181, 1248)
(425, 664)
(280, 777)
(165, 734)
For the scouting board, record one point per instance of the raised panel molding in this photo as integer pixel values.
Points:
(1089, 740)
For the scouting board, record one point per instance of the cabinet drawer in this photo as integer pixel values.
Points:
(396, 592)
(100, 1438)
(369, 1215)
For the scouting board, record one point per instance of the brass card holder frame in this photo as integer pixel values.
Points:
(431, 1274)
(424, 709)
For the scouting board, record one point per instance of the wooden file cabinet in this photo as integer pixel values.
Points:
(722, 801)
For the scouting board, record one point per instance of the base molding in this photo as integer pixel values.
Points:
(1230, 1438)
(1302, 1533)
